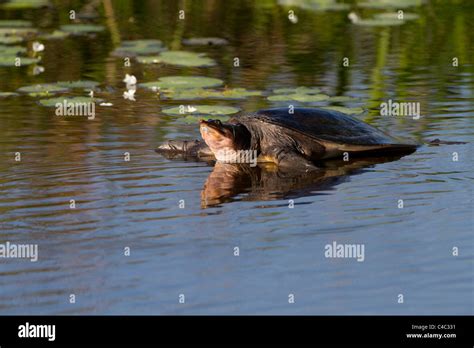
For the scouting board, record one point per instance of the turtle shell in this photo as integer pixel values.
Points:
(324, 125)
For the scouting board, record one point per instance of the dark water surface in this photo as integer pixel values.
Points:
(190, 251)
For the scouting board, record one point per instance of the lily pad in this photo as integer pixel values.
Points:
(394, 15)
(8, 94)
(200, 93)
(342, 99)
(11, 50)
(17, 31)
(84, 84)
(11, 61)
(382, 4)
(51, 102)
(24, 4)
(379, 22)
(300, 97)
(201, 110)
(42, 89)
(12, 39)
(182, 82)
(205, 41)
(344, 110)
(55, 35)
(78, 29)
(298, 90)
(14, 23)
(315, 5)
(148, 59)
(139, 48)
(182, 58)
(306, 95)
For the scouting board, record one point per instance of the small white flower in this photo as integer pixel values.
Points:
(38, 47)
(38, 69)
(353, 17)
(155, 89)
(130, 94)
(191, 108)
(130, 80)
(106, 104)
(91, 94)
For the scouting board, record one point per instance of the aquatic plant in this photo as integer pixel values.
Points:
(201, 110)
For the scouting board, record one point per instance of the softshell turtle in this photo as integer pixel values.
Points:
(297, 140)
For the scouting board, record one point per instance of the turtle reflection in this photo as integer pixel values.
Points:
(229, 182)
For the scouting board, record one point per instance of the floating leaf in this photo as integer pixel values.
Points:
(12, 60)
(9, 40)
(308, 98)
(199, 93)
(24, 4)
(298, 90)
(14, 23)
(182, 82)
(302, 94)
(78, 29)
(306, 94)
(201, 110)
(279, 97)
(8, 94)
(148, 59)
(304, 98)
(11, 50)
(342, 99)
(378, 22)
(318, 5)
(17, 31)
(42, 89)
(139, 48)
(182, 58)
(394, 15)
(55, 35)
(382, 4)
(84, 84)
(344, 110)
(205, 41)
(51, 102)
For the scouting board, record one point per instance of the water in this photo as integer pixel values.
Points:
(190, 251)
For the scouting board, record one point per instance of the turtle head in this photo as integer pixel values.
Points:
(224, 136)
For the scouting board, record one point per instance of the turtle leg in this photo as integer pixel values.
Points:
(192, 148)
(293, 160)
